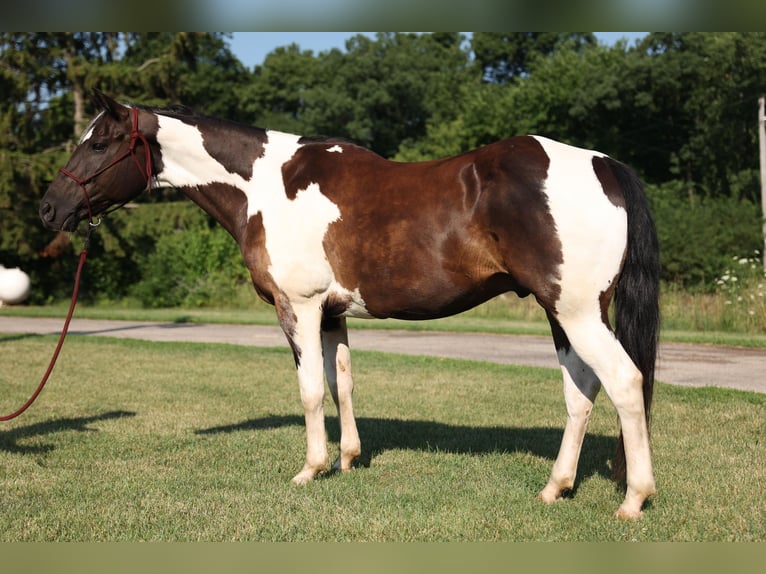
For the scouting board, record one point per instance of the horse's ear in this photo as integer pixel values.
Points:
(104, 102)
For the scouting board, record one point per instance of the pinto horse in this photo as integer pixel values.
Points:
(330, 230)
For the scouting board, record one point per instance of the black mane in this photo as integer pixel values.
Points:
(174, 110)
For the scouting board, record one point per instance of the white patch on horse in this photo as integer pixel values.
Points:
(335, 149)
(294, 227)
(356, 306)
(88, 133)
(593, 231)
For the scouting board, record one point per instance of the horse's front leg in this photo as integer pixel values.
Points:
(301, 323)
(337, 366)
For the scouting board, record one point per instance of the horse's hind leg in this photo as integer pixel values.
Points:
(581, 386)
(337, 365)
(597, 346)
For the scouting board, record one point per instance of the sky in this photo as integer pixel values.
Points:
(252, 47)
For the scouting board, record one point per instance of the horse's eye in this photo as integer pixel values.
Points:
(98, 147)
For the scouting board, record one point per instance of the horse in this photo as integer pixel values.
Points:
(330, 230)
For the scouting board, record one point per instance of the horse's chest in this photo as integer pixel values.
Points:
(293, 231)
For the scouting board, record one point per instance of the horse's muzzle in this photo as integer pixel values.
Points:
(48, 217)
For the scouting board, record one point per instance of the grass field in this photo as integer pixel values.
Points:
(134, 440)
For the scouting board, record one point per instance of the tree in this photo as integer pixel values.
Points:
(276, 96)
(383, 92)
(503, 56)
(718, 79)
(196, 69)
(43, 66)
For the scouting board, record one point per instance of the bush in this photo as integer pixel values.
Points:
(191, 268)
(699, 236)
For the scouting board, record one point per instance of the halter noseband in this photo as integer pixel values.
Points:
(135, 136)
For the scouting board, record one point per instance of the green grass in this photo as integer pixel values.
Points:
(135, 440)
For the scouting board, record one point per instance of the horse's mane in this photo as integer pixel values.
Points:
(192, 116)
(173, 110)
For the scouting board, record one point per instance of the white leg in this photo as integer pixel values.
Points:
(337, 364)
(301, 323)
(580, 389)
(597, 347)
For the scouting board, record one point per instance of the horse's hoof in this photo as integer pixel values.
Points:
(338, 465)
(628, 513)
(551, 493)
(303, 477)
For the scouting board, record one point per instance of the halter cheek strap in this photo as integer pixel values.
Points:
(135, 137)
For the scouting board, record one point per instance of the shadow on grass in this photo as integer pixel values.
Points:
(379, 435)
(19, 337)
(9, 440)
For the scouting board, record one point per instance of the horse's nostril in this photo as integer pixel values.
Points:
(47, 212)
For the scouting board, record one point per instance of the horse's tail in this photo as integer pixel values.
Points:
(636, 300)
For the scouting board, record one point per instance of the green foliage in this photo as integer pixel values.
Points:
(275, 98)
(502, 57)
(191, 267)
(699, 236)
(383, 92)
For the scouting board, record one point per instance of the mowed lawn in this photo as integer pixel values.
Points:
(136, 440)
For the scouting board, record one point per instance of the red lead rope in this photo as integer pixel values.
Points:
(38, 390)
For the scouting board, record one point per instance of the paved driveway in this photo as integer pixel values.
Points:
(679, 363)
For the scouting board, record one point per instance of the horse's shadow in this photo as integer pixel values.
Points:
(382, 434)
(9, 440)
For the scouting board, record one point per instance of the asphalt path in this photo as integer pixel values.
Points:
(678, 364)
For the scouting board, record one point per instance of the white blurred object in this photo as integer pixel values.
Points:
(14, 285)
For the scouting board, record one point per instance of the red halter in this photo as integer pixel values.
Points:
(135, 136)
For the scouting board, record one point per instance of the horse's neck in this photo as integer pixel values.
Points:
(213, 169)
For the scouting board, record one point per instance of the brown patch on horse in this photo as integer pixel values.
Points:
(605, 299)
(241, 147)
(229, 207)
(609, 183)
(288, 320)
(490, 230)
(257, 259)
(514, 176)
(314, 162)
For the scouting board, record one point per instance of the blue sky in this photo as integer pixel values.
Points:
(251, 47)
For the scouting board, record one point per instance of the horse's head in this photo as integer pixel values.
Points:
(104, 170)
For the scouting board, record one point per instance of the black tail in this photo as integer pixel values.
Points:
(636, 299)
